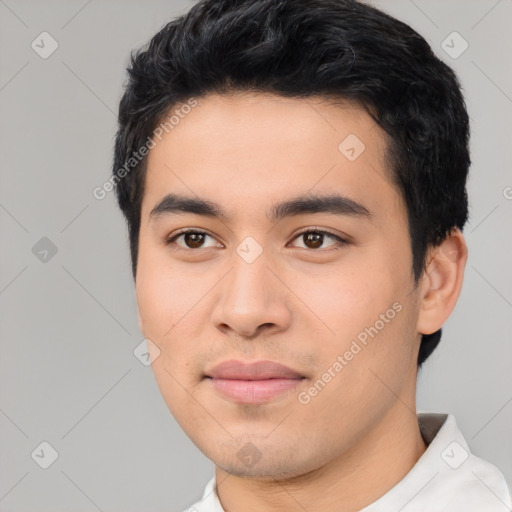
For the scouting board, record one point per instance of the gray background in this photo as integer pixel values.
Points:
(69, 325)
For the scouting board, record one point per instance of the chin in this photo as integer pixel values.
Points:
(265, 472)
(249, 462)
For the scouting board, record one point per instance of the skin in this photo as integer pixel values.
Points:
(297, 304)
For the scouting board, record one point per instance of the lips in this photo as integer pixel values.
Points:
(259, 370)
(256, 382)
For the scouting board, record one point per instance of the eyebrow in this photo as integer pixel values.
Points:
(301, 205)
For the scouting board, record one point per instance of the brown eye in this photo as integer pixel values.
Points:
(193, 239)
(314, 238)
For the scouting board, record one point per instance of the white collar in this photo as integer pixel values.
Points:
(447, 477)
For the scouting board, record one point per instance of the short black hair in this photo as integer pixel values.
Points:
(342, 49)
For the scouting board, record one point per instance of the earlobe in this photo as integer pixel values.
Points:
(442, 282)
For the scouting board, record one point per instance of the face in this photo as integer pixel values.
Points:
(326, 291)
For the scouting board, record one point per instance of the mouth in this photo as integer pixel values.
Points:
(252, 383)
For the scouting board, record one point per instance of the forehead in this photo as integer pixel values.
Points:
(250, 148)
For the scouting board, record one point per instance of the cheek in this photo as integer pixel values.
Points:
(155, 301)
(170, 303)
(351, 299)
(164, 292)
(164, 312)
(157, 292)
(368, 314)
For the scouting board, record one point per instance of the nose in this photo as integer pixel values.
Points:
(251, 300)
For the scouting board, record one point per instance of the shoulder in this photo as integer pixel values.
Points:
(476, 485)
(448, 477)
(460, 479)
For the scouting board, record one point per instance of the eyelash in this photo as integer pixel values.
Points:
(171, 239)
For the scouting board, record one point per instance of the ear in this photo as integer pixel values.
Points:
(441, 283)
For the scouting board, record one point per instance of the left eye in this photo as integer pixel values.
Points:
(315, 238)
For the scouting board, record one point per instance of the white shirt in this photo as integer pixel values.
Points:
(446, 478)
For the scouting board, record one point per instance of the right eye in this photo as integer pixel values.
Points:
(193, 239)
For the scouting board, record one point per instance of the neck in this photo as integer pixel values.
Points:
(350, 482)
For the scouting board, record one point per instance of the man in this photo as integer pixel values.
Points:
(293, 174)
